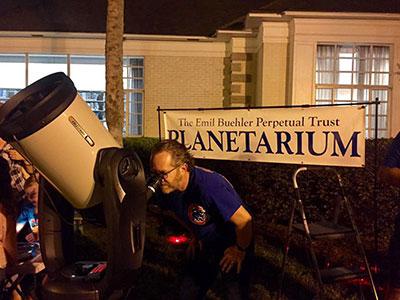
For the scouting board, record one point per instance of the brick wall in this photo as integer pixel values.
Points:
(180, 82)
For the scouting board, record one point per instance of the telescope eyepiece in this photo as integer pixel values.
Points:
(154, 182)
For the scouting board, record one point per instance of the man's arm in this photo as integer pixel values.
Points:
(243, 225)
(244, 234)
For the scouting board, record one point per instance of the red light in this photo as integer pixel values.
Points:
(359, 282)
(177, 239)
(374, 269)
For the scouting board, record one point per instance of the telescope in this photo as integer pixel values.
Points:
(82, 168)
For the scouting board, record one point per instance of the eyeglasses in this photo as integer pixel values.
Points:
(164, 175)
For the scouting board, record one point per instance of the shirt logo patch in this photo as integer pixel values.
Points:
(197, 214)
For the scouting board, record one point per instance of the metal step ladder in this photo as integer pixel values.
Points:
(323, 230)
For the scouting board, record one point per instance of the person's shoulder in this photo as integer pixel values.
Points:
(209, 179)
(202, 172)
(24, 213)
(204, 175)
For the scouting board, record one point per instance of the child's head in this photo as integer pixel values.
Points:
(31, 188)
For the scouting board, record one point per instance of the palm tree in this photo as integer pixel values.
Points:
(114, 57)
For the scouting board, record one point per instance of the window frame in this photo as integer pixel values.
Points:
(371, 88)
(131, 90)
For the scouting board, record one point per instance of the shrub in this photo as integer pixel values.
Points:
(268, 188)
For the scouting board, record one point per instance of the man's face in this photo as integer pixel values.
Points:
(163, 164)
(32, 193)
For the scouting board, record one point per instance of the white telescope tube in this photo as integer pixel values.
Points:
(53, 127)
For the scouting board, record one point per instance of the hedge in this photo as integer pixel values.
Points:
(269, 190)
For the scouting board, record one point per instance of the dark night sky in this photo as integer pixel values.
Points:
(180, 17)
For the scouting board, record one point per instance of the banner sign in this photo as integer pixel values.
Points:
(331, 136)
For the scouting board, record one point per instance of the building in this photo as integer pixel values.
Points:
(213, 54)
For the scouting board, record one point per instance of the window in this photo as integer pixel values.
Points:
(43, 65)
(12, 75)
(134, 113)
(87, 73)
(355, 73)
(133, 76)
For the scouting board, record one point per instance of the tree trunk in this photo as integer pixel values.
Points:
(114, 58)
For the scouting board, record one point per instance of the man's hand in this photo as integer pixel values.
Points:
(14, 155)
(244, 233)
(232, 256)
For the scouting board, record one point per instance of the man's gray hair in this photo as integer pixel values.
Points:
(179, 153)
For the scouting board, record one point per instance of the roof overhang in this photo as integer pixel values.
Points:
(254, 20)
(102, 36)
(225, 35)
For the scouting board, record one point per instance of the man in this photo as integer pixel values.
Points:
(390, 173)
(207, 204)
